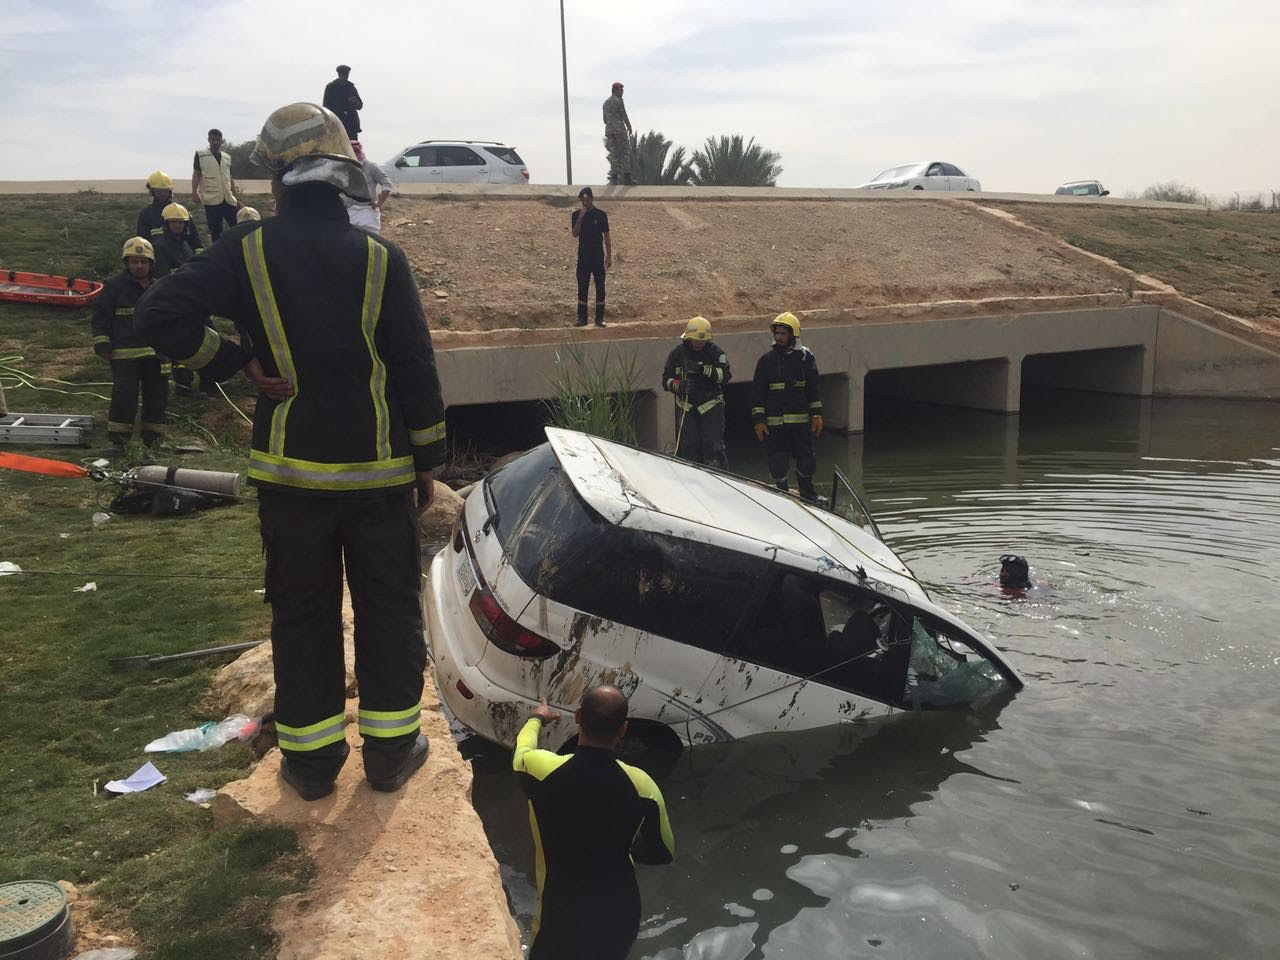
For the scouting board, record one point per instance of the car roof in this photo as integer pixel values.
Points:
(1076, 183)
(650, 491)
(474, 143)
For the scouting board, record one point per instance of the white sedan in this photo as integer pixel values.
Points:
(925, 175)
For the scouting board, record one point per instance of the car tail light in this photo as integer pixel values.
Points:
(524, 172)
(502, 631)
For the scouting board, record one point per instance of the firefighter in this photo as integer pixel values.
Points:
(172, 251)
(134, 365)
(696, 373)
(349, 423)
(151, 217)
(785, 408)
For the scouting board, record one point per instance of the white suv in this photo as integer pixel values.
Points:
(458, 161)
(721, 607)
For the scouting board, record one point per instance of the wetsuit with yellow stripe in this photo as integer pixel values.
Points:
(591, 815)
(334, 310)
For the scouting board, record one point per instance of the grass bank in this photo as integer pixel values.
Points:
(1228, 260)
(158, 871)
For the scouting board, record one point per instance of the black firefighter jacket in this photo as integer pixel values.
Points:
(704, 372)
(114, 320)
(335, 311)
(785, 387)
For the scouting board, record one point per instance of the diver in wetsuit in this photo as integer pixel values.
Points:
(1015, 573)
(591, 814)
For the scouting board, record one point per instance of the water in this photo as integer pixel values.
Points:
(1124, 805)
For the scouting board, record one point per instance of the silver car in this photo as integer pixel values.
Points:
(458, 161)
(924, 175)
(1082, 188)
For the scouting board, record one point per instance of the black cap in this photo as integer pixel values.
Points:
(586, 192)
(343, 68)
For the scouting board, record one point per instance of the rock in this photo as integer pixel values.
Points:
(402, 222)
(69, 890)
(442, 897)
(109, 953)
(438, 521)
(506, 458)
(442, 294)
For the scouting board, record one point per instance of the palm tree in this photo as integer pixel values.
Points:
(726, 161)
(650, 162)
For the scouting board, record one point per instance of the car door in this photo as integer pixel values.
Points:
(956, 179)
(935, 178)
(461, 164)
(419, 165)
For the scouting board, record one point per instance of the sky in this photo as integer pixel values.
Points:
(1022, 94)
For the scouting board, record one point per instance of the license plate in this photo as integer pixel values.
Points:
(466, 576)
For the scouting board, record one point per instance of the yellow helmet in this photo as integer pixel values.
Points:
(159, 180)
(138, 247)
(247, 213)
(175, 211)
(306, 143)
(788, 320)
(699, 328)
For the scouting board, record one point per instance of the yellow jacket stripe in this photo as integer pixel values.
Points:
(313, 475)
(273, 325)
(208, 349)
(429, 435)
(374, 283)
(131, 353)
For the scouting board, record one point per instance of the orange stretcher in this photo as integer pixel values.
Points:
(18, 286)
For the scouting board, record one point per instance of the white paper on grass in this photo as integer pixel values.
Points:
(144, 778)
(8, 567)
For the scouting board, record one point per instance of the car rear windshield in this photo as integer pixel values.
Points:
(684, 590)
(506, 155)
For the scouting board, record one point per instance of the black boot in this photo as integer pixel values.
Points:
(118, 441)
(781, 485)
(806, 489)
(397, 779)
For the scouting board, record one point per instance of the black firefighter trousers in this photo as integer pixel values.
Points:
(700, 436)
(307, 541)
(143, 375)
(791, 440)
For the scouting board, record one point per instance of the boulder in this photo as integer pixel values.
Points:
(437, 522)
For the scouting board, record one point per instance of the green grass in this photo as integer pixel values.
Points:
(66, 720)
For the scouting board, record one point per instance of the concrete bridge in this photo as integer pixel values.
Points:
(979, 361)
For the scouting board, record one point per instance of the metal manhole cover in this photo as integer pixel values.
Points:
(30, 910)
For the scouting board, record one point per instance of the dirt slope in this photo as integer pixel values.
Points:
(510, 263)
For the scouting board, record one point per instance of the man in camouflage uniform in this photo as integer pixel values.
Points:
(617, 137)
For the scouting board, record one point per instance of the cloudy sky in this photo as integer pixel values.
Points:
(1023, 94)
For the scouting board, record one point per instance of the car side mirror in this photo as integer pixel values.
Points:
(1105, 193)
(402, 162)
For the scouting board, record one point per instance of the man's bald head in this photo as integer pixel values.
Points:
(603, 712)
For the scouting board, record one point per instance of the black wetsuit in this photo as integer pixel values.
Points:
(590, 815)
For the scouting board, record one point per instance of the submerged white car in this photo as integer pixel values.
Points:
(721, 607)
(923, 175)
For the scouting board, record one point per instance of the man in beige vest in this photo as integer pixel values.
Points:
(213, 186)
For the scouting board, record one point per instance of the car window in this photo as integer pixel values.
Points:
(459, 157)
(845, 635)
(420, 157)
(945, 672)
(952, 171)
(1085, 190)
(935, 170)
(506, 155)
(513, 488)
(899, 173)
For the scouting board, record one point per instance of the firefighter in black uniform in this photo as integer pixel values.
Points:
(151, 217)
(592, 816)
(172, 251)
(785, 408)
(349, 422)
(134, 365)
(696, 373)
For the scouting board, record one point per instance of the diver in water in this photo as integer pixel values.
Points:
(1015, 573)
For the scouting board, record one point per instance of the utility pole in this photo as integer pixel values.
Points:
(564, 68)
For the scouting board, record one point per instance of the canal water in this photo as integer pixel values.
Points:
(1125, 804)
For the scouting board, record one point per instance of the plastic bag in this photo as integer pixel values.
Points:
(206, 736)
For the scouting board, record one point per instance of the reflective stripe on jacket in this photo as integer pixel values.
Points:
(785, 387)
(706, 371)
(335, 311)
(113, 318)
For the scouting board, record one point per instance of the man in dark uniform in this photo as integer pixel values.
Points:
(151, 217)
(342, 98)
(590, 225)
(696, 373)
(349, 423)
(172, 251)
(785, 407)
(591, 815)
(134, 365)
